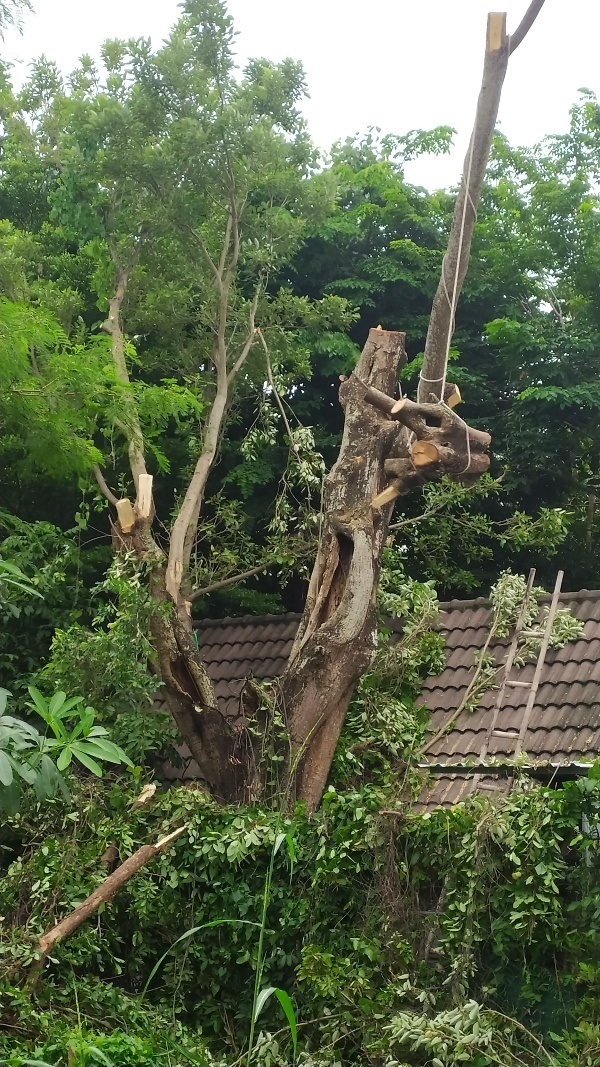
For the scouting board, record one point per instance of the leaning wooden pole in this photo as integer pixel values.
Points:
(105, 892)
(499, 47)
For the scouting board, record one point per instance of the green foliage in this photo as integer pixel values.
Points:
(504, 896)
(108, 661)
(57, 572)
(26, 756)
(84, 742)
(455, 538)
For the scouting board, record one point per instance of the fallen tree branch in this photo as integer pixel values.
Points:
(105, 892)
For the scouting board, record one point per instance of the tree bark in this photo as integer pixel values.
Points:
(336, 639)
(218, 746)
(456, 259)
(113, 326)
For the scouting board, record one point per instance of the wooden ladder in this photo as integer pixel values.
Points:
(518, 736)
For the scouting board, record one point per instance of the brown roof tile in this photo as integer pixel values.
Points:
(565, 722)
(564, 726)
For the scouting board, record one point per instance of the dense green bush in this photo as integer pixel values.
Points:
(464, 936)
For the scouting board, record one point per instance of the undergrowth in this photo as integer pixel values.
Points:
(467, 936)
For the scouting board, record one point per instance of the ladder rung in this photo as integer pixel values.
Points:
(533, 633)
(505, 733)
(520, 685)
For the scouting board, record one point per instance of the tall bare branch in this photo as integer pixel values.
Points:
(131, 423)
(456, 259)
(183, 533)
(525, 25)
(499, 46)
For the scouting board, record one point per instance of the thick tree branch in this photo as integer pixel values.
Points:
(525, 25)
(110, 496)
(131, 425)
(185, 526)
(456, 259)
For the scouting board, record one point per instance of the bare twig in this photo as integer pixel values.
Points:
(278, 400)
(207, 256)
(224, 583)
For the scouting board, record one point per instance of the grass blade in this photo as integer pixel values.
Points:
(189, 933)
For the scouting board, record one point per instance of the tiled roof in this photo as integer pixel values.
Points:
(564, 726)
(234, 649)
(445, 790)
(253, 646)
(565, 722)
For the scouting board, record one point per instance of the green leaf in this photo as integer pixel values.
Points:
(106, 750)
(64, 758)
(39, 702)
(80, 754)
(287, 1007)
(6, 771)
(56, 703)
(23, 770)
(10, 798)
(48, 776)
(4, 695)
(189, 933)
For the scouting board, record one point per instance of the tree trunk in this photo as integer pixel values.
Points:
(337, 634)
(219, 747)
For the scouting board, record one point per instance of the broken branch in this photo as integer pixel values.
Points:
(105, 892)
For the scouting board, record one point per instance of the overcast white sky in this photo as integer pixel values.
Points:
(396, 64)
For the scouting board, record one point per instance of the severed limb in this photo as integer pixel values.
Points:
(442, 443)
(105, 892)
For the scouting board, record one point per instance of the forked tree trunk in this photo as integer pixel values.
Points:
(337, 634)
(390, 445)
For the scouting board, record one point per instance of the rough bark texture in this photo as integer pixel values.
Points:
(218, 746)
(336, 638)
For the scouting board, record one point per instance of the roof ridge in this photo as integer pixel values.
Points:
(248, 620)
(485, 602)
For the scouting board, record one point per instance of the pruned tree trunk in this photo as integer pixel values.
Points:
(336, 639)
(390, 445)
